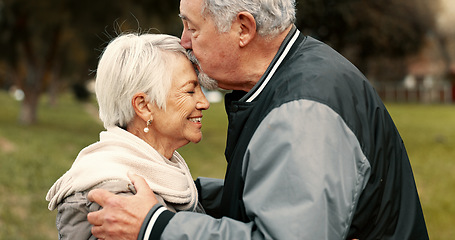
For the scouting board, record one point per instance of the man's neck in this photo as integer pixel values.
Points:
(260, 56)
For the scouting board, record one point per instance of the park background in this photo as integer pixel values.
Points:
(49, 51)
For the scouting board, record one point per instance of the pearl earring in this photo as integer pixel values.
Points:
(146, 129)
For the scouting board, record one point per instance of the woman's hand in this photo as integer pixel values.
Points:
(121, 217)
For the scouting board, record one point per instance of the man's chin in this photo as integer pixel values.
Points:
(204, 79)
(207, 82)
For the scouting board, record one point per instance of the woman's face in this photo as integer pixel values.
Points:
(180, 123)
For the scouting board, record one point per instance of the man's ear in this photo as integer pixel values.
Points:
(247, 28)
(141, 106)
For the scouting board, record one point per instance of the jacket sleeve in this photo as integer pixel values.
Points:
(72, 218)
(72, 213)
(304, 171)
(210, 191)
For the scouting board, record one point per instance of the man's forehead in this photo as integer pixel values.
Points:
(190, 8)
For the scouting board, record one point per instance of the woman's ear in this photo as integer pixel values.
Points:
(141, 106)
(247, 25)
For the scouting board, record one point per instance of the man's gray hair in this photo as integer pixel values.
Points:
(272, 16)
(133, 63)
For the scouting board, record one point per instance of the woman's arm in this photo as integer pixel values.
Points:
(72, 213)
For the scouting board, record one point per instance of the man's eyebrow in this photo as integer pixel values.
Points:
(183, 17)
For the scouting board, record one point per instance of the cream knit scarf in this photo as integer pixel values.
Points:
(119, 152)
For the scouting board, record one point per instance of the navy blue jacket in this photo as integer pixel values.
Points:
(312, 154)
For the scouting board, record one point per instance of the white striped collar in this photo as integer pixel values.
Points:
(266, 78)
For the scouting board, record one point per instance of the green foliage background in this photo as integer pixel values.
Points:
(33, 157)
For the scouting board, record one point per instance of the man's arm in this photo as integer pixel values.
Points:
(304, 171)
(210, 191)
(141, 217)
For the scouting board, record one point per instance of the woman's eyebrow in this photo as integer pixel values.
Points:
(190, 82)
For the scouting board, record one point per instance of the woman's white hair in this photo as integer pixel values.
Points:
(133, 63)
(272, 16)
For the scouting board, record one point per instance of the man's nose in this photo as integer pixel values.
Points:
(185, 40)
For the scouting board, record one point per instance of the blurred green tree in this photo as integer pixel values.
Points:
(50, 44)
(366, 30)
(46, 41)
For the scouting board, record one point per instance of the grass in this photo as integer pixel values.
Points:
(428, 132)
(33, 157)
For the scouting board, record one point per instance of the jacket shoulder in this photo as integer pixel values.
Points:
(72, 212)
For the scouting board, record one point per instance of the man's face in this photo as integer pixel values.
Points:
(214, 51)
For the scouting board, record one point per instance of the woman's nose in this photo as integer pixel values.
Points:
(203, 103)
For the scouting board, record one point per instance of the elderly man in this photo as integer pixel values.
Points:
(312, 151)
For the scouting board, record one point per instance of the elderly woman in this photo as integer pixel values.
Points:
(151, 103)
